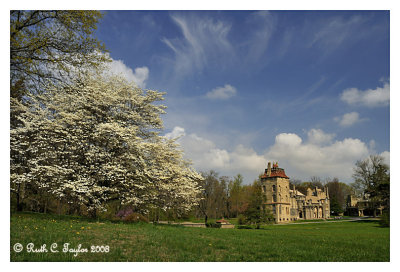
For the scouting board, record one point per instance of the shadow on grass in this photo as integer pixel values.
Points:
(376, 221)
(68, 218)
(167, 225)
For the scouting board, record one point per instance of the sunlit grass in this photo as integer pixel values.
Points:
(346, 241)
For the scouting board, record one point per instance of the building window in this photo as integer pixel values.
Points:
(264, 189)
(273, 188)
(274, 196)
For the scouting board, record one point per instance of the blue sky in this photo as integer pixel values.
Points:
(309, 89)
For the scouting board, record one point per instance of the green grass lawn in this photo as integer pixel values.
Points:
(340, 241)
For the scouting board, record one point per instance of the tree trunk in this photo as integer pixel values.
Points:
(93, 213)
(19, 202)
(59, 207)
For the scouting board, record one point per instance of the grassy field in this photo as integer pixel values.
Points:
(339, 241)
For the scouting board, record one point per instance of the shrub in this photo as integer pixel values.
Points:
(385, 220)
(241, 219)
(135, 217)
(128, 215)
(213, 225)
(124, 212)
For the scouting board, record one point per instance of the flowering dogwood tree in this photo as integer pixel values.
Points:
(99, 140)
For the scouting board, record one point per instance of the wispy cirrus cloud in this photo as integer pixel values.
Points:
(204, 39)
(332, 33)
(263, 24)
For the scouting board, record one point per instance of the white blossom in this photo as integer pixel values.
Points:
(99, 140)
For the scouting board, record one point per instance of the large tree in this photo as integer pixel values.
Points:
(236, 195)
(214, 196)
(338, 191)
(371, 176)
(99, 140)
(51, 45)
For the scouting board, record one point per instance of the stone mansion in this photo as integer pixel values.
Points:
(289, 204)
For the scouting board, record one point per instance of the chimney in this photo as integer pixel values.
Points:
(269, 169)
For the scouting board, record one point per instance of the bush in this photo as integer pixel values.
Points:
(128, 215)
(385, 220)
(241, 219)
(135, 217)
(213, 225)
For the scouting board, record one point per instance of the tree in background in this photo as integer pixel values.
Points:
(213, 196)
(236, 195)
(255, 212)
(95, 141)
(372, 177)
(302, 186)
(207, 194)
(336, 195)
(225, 185)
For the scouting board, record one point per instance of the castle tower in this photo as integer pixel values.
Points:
(275, 186)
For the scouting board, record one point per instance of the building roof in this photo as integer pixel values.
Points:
(275, 172)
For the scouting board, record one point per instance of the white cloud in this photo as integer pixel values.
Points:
(224, 92)
(386, 157)
(175, 133)
(348, 119)
(320, 155)
(317, 136)
(139, 76)
(205, 156)
(370, 98)
(303, 160)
